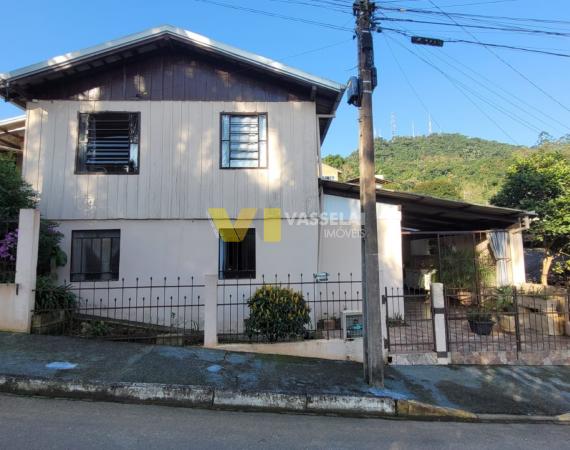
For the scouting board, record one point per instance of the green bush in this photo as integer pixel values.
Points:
(479, 315)
(277, 313)
(502, 300)
(50, 296)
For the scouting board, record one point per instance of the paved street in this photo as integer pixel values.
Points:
(539, 390)
(40, 423)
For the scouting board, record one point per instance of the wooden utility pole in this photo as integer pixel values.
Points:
(372, 306)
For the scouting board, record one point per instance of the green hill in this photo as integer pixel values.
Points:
(443, 165)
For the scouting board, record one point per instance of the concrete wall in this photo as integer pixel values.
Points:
(179, 162)
(17, 299)
(335, 349)
(340, 245)
(185, 248)
(517, 264)
(9, 314)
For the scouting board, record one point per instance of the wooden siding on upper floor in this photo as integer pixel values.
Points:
(179, 174)
(171, 75)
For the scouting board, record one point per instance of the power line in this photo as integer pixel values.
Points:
(509, 65)
(314, 5)
(474, 16)
(410, 85)
(509, 95)
(509, 47)
(481, 27)
(458, 86)
(487, 44)
(506, 98)
(277, 15)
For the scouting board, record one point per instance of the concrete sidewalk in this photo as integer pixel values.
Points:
(504, 390)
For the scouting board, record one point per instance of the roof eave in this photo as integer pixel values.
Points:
(332, 185)
(73, 58)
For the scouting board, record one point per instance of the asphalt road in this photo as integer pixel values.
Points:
(40, 423)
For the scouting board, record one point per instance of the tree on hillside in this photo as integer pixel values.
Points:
(440, 187)
(336, 161)
(541, 183)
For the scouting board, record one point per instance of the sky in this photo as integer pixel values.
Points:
(492, 93)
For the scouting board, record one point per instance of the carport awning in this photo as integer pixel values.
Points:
(424, 213)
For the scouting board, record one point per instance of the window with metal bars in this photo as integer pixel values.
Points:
(108, 143)
(237, 257)
(95, 255)
(244, 141)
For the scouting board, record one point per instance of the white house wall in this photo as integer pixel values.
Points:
(340, 246)
(179, 162)
(185, 248)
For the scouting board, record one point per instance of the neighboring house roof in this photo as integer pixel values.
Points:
(379, 180)
(331, 168)
(425, 213)
(19, 83)
(12, 132)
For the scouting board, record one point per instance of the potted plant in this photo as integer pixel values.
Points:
(458, 273)
(54, 305)
(328, 323)
(480, 321)
(502, 302)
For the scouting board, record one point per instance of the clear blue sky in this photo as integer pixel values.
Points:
(36, 30)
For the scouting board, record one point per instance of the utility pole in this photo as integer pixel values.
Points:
(372, 306)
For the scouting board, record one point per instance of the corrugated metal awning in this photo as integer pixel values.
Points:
(425, 213)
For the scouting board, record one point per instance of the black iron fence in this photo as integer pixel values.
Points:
(8, 247)
(508, 319)
(409, 320)
(334, 308)
(160, 311)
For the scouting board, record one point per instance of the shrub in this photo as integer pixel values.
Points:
(49, 251)
(502, 300)
(479, 315)
(50, 296)
(277, 313)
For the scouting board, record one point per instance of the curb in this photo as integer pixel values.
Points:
(209, 398)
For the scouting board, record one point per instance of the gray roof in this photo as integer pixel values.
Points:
(198, 40)
(425, 213)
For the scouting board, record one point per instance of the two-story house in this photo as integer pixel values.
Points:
(136, 144)
(132, 142)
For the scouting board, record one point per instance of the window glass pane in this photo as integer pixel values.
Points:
(262, 127)
(115, 252)
(134, 158)
(225, 154)
(95, 255)
(241, 139)
(108, 142)
(237, 259)
(105, 255)
(243, 163)
(225, 127)
(91, 263)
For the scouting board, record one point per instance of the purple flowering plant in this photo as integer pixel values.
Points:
(8, 246)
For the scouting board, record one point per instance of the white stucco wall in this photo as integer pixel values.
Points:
(517, 264)
(340, 245)
(185, 248)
